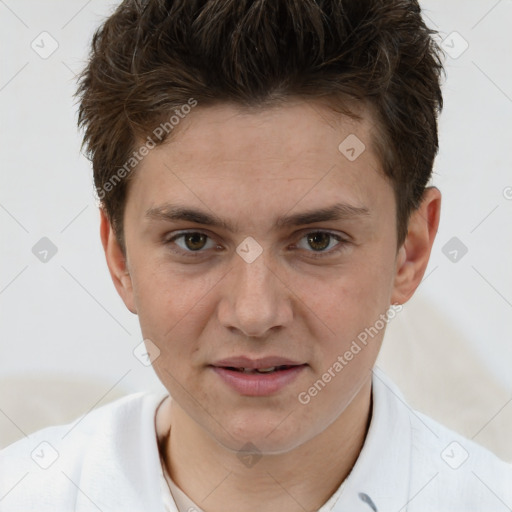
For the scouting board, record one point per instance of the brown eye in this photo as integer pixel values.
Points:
(319, 241)
(191, 243)
(195, 241)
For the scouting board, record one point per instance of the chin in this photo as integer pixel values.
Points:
(267, 438)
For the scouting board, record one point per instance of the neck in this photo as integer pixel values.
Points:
(302, 479)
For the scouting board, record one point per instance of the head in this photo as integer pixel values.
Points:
(293, 143)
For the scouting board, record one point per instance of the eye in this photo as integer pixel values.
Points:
(322, 243)
(191, 242)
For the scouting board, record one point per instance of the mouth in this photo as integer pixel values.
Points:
(260, 377)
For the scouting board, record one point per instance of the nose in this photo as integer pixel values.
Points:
(255, 300)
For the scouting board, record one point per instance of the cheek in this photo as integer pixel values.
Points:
(168, 301)
(171, 313)
(349, 308)
(352, 297)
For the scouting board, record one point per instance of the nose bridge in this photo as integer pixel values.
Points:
(255, 278)
(254, 301)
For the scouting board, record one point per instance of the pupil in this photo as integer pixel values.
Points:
(319, 241)
(195, 241)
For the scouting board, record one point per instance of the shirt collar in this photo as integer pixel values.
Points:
(379, 479)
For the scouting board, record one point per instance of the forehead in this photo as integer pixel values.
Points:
(264, 160)
(291, 131)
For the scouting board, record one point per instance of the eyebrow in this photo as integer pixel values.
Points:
(340, 211)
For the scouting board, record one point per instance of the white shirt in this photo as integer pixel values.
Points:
(178, 500)
(109, 461)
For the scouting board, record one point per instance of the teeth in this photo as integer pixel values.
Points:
(270, 369)
(259, 370)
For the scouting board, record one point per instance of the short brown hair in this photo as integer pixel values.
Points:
(150, 57)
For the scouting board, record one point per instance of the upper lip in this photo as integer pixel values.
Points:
(255, 364)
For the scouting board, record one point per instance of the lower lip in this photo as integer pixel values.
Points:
(258, 384)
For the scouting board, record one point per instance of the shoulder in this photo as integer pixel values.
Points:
(445, 470)
(459, 472)
(429, 466)
(117, 418)
(52, 466)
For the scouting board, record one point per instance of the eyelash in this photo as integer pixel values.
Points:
(320, 254)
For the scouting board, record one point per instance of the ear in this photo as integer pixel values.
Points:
(413, 256)
(116, 262)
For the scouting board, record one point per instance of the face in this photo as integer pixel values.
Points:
(253, 242)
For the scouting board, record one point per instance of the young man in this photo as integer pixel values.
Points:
(262, 169)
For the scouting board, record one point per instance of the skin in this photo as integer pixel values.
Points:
(250, 167)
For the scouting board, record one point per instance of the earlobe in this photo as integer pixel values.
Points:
(412, 258)
(116, 262)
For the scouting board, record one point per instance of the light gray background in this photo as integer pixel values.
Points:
(64, 316)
